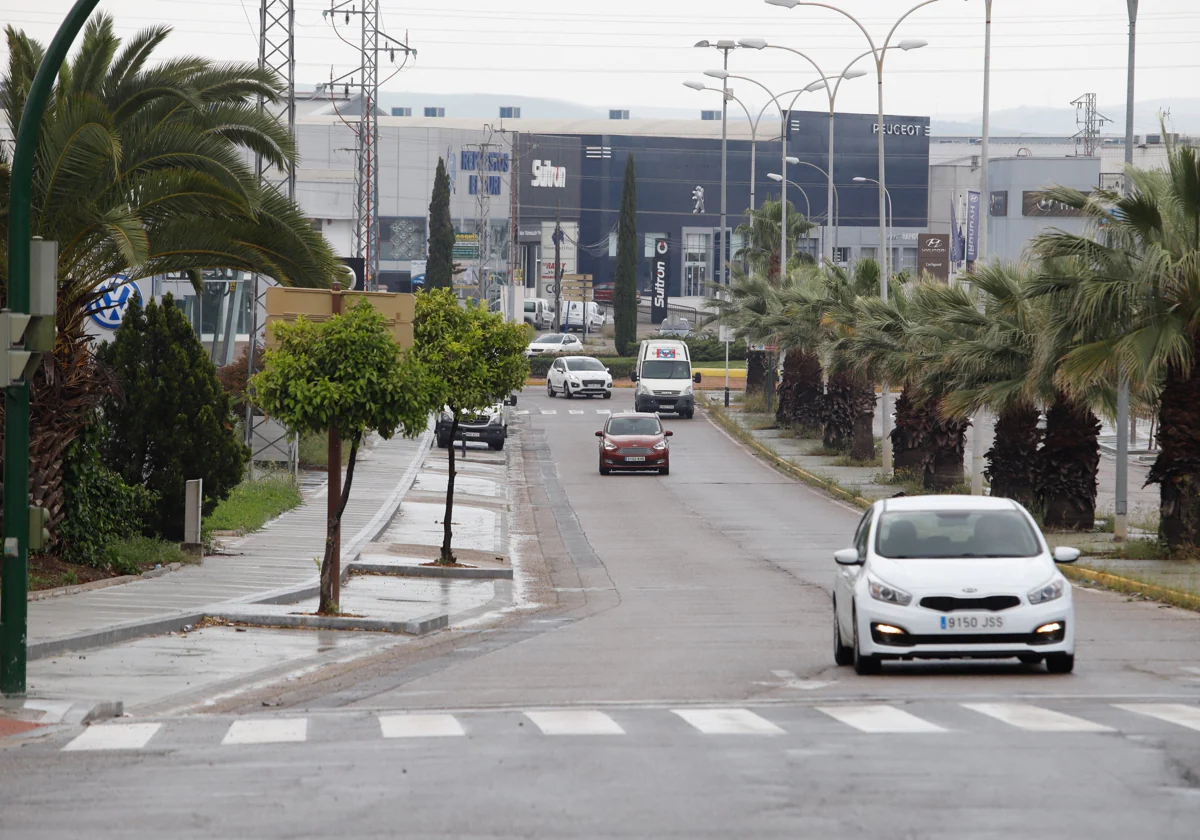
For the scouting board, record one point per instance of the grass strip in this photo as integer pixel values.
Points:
(1130, 586)
(253, 504)
(735, 429)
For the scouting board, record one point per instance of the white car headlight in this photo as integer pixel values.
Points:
(609, 446)
(881, 591)
(1051, 591)
(575, 382)
(687, 389)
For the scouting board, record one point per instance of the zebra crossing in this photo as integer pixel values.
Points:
(720, 723)
(551, 412)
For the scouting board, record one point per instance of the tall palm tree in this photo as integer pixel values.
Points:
(1138, 287)
(143, 169)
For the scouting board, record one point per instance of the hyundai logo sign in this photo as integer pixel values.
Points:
(108, 311)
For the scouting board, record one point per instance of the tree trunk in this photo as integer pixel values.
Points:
(926, 445)
(801, 390)
(909, 458)
(447, 555)
(331, 568)
(1012, 461)
(848, 413)
(1177, 468)
(756, 371)
(1067, 465)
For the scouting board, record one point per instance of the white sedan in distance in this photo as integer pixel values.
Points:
(579, 376)
(952, 577)
(554, 343)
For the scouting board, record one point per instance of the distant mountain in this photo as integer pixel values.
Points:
(1184, 119)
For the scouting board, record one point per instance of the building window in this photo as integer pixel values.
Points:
(317, 224)
(650, 237)
(402, 112)
(841, 256)
(908, 259)
(710, 115)
(507, 112)
(618, 115)
(697, 263)
(435, 112)
(402, 239)
(612, 243)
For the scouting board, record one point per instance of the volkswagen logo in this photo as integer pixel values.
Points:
(109, 309)
(969, 589)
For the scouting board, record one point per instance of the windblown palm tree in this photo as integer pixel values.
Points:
(1137, 285)
(144, 169)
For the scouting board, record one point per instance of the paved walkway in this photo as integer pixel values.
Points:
(256, 567)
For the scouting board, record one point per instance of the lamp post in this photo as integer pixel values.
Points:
(879, 54)
(1121, 500)
(726, 47)
(753, 125)
(837, 200)
(885, 250)
(985, 194)
(775, 176)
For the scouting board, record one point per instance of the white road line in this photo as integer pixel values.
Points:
(420, 726)
(523, 412)
(604, 411)
(1176, 713)
(582, 722)
(784, 675)
(549, 411)
(287, 730)
(879, 719)
(1035, 718)
(575, 411)
(728, 722)
(114, 736)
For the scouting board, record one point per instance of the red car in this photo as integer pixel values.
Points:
(634, 441)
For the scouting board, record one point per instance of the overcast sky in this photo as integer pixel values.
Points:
(630, 53)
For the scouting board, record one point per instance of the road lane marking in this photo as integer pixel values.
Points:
(784, 675)
(572, 722)
(287, 730)
(114, 736)
(420, 726)
(728, 722)
(1035, 718)
(549, 411)
(604, 411)
(523, 412)
(1176, 713)
(879, 719)
(574, 411)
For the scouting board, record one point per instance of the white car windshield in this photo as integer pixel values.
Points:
(619, 426)
(951, 534)
(550, 339)
(584, 364)
(664, 369)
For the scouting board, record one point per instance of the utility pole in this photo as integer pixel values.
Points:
(985, 209)
(1121, 494)
(558, 272)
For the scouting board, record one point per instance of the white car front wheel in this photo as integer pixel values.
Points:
(864, 664)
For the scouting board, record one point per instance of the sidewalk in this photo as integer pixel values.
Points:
(271, 565)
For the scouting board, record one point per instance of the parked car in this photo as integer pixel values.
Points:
(539, 313)
(633, 441)
(490, 427)
(552, 343)
(952, 577)
(579, 376)
(676, 328)
(602, 293)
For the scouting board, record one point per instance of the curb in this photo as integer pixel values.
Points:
(734, 429)
(166, 624)
(416, 627)
(1128, 586)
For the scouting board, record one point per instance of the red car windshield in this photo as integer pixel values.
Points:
(622, 426)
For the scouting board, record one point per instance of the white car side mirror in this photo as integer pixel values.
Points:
(847, 557)
(1062, 554)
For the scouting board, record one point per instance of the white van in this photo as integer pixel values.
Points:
(573, 316)
(539, 313)
(664, 378)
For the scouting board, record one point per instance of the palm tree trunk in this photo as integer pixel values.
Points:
(1067, 465)
(1012, 461)
(926, 445)
(909, 453)
(801, 390)
(837, 412)
(756, 371)
(1177, 468)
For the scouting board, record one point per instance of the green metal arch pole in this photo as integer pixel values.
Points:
(13, 573)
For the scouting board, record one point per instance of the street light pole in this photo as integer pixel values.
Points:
(1121, 501)
(878, 54)
(725, 47)
(981, 249)
(891, 216)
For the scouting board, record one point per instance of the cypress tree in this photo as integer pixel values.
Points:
(171, 421)
(439, 271)
(625, 279)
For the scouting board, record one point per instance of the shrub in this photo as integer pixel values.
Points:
(173, 422)
(252, 504)
(99, 508)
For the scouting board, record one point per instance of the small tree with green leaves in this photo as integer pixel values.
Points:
(344, 376)
(171, 421)
(625, 278)
(439, 270)
(474, 359)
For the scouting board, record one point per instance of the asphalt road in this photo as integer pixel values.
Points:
(676, 682)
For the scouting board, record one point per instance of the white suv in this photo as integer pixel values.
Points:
(579, 376)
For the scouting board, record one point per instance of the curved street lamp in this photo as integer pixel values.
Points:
(885, 249)
(879, 53)
(777, 178)
(837, 200)
(725, 47)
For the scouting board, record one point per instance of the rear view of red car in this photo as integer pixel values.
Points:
(634, 441)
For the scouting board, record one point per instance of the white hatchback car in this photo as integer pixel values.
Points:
(554, 343)
(952, 577)
(579, 376)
